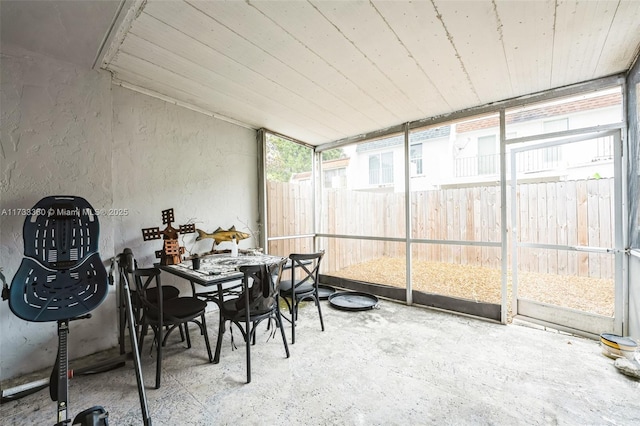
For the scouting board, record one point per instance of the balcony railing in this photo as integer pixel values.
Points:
(527, 162)
(477, 165)
(381, 176)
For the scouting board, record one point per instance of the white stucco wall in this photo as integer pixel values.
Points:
(56, 140)
(68, 131)
(166, 156)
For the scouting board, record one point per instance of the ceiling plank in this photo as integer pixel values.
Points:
(303, 22)
(331, 70)
(425, 38)
(366, 50)
(621, 47)
(212, 68)
(181, 67)
(150, 76)
(581, 32)
(167, 93)
(527, 34)
(248, 31)
(474, 31)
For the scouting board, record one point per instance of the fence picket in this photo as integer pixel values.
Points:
(564, 212)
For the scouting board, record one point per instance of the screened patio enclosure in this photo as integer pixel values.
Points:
(515, 210)
(569, 233)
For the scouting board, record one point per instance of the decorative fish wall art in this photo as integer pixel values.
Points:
(220, 235)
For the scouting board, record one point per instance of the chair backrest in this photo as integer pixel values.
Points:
(61, 275)
(146, 278)
(308, 265)
(265, 280)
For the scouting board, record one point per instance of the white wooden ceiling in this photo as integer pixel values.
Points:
(320, 71)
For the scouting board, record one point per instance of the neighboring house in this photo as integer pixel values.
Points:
(468, 152)
(334, 174)
(383, 161)
(476, 149)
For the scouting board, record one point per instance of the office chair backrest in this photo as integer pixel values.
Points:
(61, 275)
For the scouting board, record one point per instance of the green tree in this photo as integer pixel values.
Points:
(286, 158)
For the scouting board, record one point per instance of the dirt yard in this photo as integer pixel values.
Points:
(482, 284)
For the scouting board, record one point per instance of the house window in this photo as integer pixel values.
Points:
(335, 178)
(487, 155)
(416, 159)
(381, 168)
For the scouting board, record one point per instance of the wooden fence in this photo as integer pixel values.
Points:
(572, 213)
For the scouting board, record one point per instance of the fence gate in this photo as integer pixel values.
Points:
(566, 239)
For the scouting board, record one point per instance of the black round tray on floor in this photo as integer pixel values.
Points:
(353, 301)
(325, 291)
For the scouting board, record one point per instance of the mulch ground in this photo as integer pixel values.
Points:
(595, 295)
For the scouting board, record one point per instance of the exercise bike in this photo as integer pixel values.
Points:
(62, 278)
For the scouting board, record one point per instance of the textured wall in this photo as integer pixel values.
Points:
(67, 130)
(166, 156)
(56, 140)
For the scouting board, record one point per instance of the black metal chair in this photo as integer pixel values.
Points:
(258, 301)
(163, 315)
(168, 292)
(305, 287)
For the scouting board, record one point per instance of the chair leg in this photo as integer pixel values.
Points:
(289, 308)
(294, 318)
(247, 339)
(186, 332)
(216, 358)
(253, 333)
(319, 311)
(206, 338)
(284, 338)
(181, 332)
(286, 301)
(141, 338)
(159, 360)
(168, 330)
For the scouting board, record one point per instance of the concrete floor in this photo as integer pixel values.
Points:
(393, 365)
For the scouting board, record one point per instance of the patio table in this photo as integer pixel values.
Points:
(219, 270)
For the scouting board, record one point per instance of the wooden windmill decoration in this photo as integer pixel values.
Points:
(171, 251)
